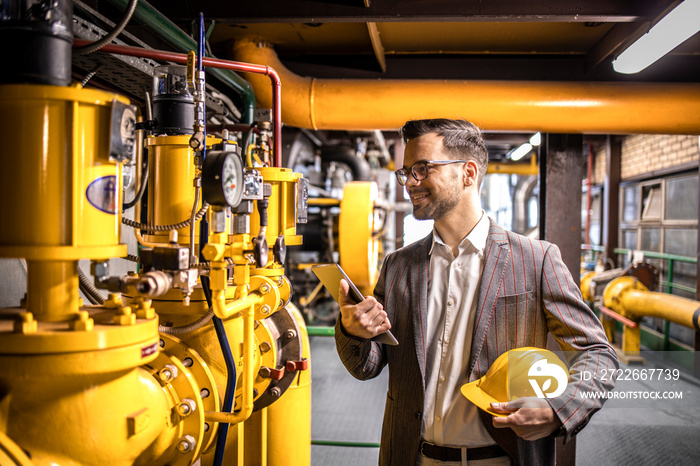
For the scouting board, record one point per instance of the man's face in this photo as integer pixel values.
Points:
(439, 193)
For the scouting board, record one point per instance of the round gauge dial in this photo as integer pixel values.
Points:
(232, 179)
(222, 178)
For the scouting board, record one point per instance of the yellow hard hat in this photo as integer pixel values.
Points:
(518, 373)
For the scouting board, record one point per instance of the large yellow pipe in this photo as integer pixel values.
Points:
(629, 297)
(555, 107)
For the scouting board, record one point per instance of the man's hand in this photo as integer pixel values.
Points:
(530, 418)
(364, 320)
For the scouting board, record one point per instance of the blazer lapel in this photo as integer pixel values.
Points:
(419, 296)
(496, 257)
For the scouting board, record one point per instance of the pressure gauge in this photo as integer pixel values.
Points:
(222, 178)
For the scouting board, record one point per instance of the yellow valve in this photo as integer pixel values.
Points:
(359, 249)
(213, 251)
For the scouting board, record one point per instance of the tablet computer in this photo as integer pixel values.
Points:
(330, 275)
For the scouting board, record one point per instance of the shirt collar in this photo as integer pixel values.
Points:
(476, 237)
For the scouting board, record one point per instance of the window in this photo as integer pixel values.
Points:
(630, 201)
(662, 216)
(682, 198)
(651, 202)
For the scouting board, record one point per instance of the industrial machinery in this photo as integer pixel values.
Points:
(195, 356)
(350, 219)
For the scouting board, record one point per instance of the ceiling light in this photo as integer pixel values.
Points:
(521, 151)
(672, 30)
(536, 140)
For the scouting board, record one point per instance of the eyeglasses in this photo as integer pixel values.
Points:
(419, 170)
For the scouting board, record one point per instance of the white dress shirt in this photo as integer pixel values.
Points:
(449, 419)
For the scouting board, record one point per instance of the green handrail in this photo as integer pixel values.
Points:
(339, 443)
(321, 331)
(660, 255)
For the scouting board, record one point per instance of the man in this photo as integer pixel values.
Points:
(455, 301)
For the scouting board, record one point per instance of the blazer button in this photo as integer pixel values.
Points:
(418, 415)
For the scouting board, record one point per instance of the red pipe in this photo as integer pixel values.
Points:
(214, 63)
(618, 317)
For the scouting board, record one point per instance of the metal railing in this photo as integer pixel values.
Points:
(672, 260)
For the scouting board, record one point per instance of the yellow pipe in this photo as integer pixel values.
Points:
(147, 244)
(245, 304)
(652, 304)
(324, 201)
(532, 168)
(248, 371)
(52, 290)
(629, 297)
(556, 107)
(289, 418)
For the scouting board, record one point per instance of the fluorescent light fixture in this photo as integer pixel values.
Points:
(672, 30)
(521, 151)
(536, 139)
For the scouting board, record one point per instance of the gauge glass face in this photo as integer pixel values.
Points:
(232, 179)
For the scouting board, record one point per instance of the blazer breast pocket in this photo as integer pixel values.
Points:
(517, 318)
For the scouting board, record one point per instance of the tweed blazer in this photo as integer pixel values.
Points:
(525, 293)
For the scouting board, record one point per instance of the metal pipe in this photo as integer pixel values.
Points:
(216, 63)
(627, 296)
(589, 186)
(248, 367)
(173, 35)
(552, 107)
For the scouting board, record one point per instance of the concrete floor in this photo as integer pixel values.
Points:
(625, 432)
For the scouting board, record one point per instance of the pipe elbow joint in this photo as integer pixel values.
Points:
(615, 291)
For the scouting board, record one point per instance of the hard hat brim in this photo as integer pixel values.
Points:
(480, 398)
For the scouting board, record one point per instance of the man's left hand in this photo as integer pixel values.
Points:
(530, 418)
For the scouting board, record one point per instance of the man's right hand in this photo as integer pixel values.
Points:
(364, 320)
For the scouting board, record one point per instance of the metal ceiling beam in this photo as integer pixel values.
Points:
(377, 45)
(613, 41)
(622, 35)
(313, 11)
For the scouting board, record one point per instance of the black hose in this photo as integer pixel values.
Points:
(95, 46)
(139, 193)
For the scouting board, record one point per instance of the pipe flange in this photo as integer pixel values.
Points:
(270, 293)
(181, 386)
(196, 365)
(279, 327)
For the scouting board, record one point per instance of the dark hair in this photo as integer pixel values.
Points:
(461, 139)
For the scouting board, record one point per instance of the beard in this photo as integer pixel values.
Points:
(439, 203)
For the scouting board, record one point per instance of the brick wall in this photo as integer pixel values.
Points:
(648, 153)
(599, 165)
(644, 153)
